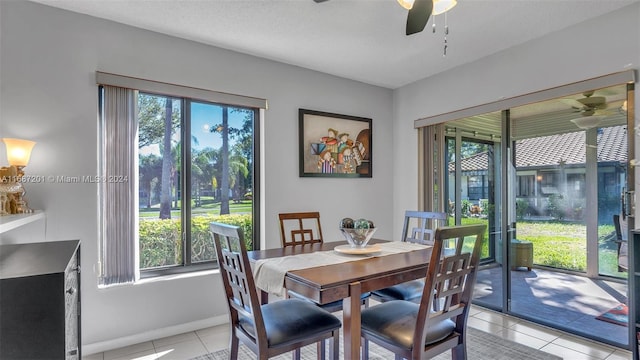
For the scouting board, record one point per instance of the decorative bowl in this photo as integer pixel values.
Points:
(358, 238)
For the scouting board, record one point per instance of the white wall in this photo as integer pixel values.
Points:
(607, 44)
(48, 58)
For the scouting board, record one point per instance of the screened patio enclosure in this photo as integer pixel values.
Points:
(547, 184)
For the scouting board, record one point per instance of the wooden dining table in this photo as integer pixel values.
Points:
(348, 280)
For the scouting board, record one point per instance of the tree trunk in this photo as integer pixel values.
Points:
(165, 193)
(147, 188)
(224, 186)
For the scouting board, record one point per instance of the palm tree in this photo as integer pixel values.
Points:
(157, 120)
(239, 170)
(150, 166)
(167, 160)
(202, 169)
(224, 183)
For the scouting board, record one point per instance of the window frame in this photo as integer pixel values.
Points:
(186, 96)
(187, 265)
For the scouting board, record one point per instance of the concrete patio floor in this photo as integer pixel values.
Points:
(566, 301)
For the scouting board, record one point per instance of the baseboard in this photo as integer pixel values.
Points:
(98, 347)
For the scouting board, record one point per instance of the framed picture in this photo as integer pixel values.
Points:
(334, 145)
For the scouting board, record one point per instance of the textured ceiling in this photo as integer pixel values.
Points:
(362, 40)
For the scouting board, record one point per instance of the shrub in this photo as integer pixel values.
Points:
(466, 207)
(484, 207)
(556, 206)
(161, 242)
(521, 208)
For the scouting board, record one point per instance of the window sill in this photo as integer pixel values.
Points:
(178, 276)
(161, 278)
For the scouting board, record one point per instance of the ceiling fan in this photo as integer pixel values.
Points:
(592, 108)
(588, 105)
(420, 11)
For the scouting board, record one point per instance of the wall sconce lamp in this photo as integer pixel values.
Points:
(18, 152)
(12, 200)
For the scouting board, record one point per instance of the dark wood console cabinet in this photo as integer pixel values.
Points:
(40, 301)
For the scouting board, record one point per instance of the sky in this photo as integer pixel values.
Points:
(203, 117)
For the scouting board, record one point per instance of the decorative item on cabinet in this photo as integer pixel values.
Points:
(40, 301)
(12, 199)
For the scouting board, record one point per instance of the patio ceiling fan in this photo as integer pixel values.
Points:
(592, 108)
(420, 11)
(588, 105)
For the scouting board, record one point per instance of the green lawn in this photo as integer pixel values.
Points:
(207, 208)
(563, 245)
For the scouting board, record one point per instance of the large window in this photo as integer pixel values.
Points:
(194, 162)
(188, 181)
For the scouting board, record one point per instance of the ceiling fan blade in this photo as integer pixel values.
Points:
(573, 103)
(319, 1)
(419, 16)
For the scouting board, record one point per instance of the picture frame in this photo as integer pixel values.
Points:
(334, 145)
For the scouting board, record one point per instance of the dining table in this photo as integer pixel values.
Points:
(345, 279)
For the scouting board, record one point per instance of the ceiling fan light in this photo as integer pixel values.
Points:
(587, 122)
(442, 6)
(407, 4)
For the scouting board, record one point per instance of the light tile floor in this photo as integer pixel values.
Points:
(570, 347)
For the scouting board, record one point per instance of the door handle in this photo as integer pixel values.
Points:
(628, 203)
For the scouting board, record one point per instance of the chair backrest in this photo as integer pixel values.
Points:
(300, 228)
(450, 279)
(239, 285)
(419, 226)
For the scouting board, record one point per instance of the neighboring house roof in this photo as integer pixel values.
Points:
(549, 150)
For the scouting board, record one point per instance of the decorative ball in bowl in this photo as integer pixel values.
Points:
(359, 235)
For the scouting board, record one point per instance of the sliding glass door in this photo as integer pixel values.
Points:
(548, 179)
(571, 169)
(473, 192)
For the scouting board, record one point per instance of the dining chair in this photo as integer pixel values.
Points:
(302, 228)
(419, 227)
(269, 329)
(415, 331)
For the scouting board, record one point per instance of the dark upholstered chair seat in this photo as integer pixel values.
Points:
(291, 320)
(409, 291)
(395, 322)
(438, 322)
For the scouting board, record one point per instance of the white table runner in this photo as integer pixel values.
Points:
(269, 273)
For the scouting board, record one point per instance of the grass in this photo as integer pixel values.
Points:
(207, 208)
(563, 245)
